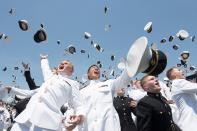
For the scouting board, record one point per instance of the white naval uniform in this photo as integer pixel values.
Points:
(184, 95)
(98, 97)
(136, 93)
(43, 110)
(165, 91)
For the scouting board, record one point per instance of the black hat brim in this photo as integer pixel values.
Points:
(40, 36)
(157, 63)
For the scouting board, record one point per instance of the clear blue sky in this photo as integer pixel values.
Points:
(67, 20)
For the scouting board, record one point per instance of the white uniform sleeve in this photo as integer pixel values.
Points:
(77, 101)
(165, 91)
(185, 86)
(122, 81)
(24, 93)
(46, 71)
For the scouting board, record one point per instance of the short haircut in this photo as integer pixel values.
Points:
(143, 80)
(92, 66)
(169, 73)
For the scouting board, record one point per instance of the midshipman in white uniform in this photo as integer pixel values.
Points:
(184, 95)
(43, 110)
(98, 95)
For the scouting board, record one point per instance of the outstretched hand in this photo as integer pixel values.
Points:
(70, 127)
(74, 121)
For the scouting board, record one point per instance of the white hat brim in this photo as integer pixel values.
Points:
(138, 57)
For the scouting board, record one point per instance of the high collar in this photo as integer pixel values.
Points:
(155, 95)
(121, 97)
(63, 75)
(94, 82)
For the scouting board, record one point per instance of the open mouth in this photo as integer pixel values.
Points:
(157, 83)
(96, 72)
(61, 67)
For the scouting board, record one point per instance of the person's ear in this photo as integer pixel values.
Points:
(144, 87)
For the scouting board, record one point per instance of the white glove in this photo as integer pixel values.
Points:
(42, 56)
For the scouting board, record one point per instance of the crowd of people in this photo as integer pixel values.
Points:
(7, 115)
(121, 104)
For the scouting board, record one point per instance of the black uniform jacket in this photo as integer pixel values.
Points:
(121, 105)
(30, 81)
(154, 114)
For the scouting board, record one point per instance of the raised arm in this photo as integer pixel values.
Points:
(46, 71)
(122, 81)
(29, 79)
(20, 92)
(185, 86)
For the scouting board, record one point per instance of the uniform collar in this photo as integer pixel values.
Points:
(63, 75)
(88, 83)
(94, 82)
(155, 95)
(121, 97)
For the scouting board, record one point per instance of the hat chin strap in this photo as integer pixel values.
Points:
(153, 62)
